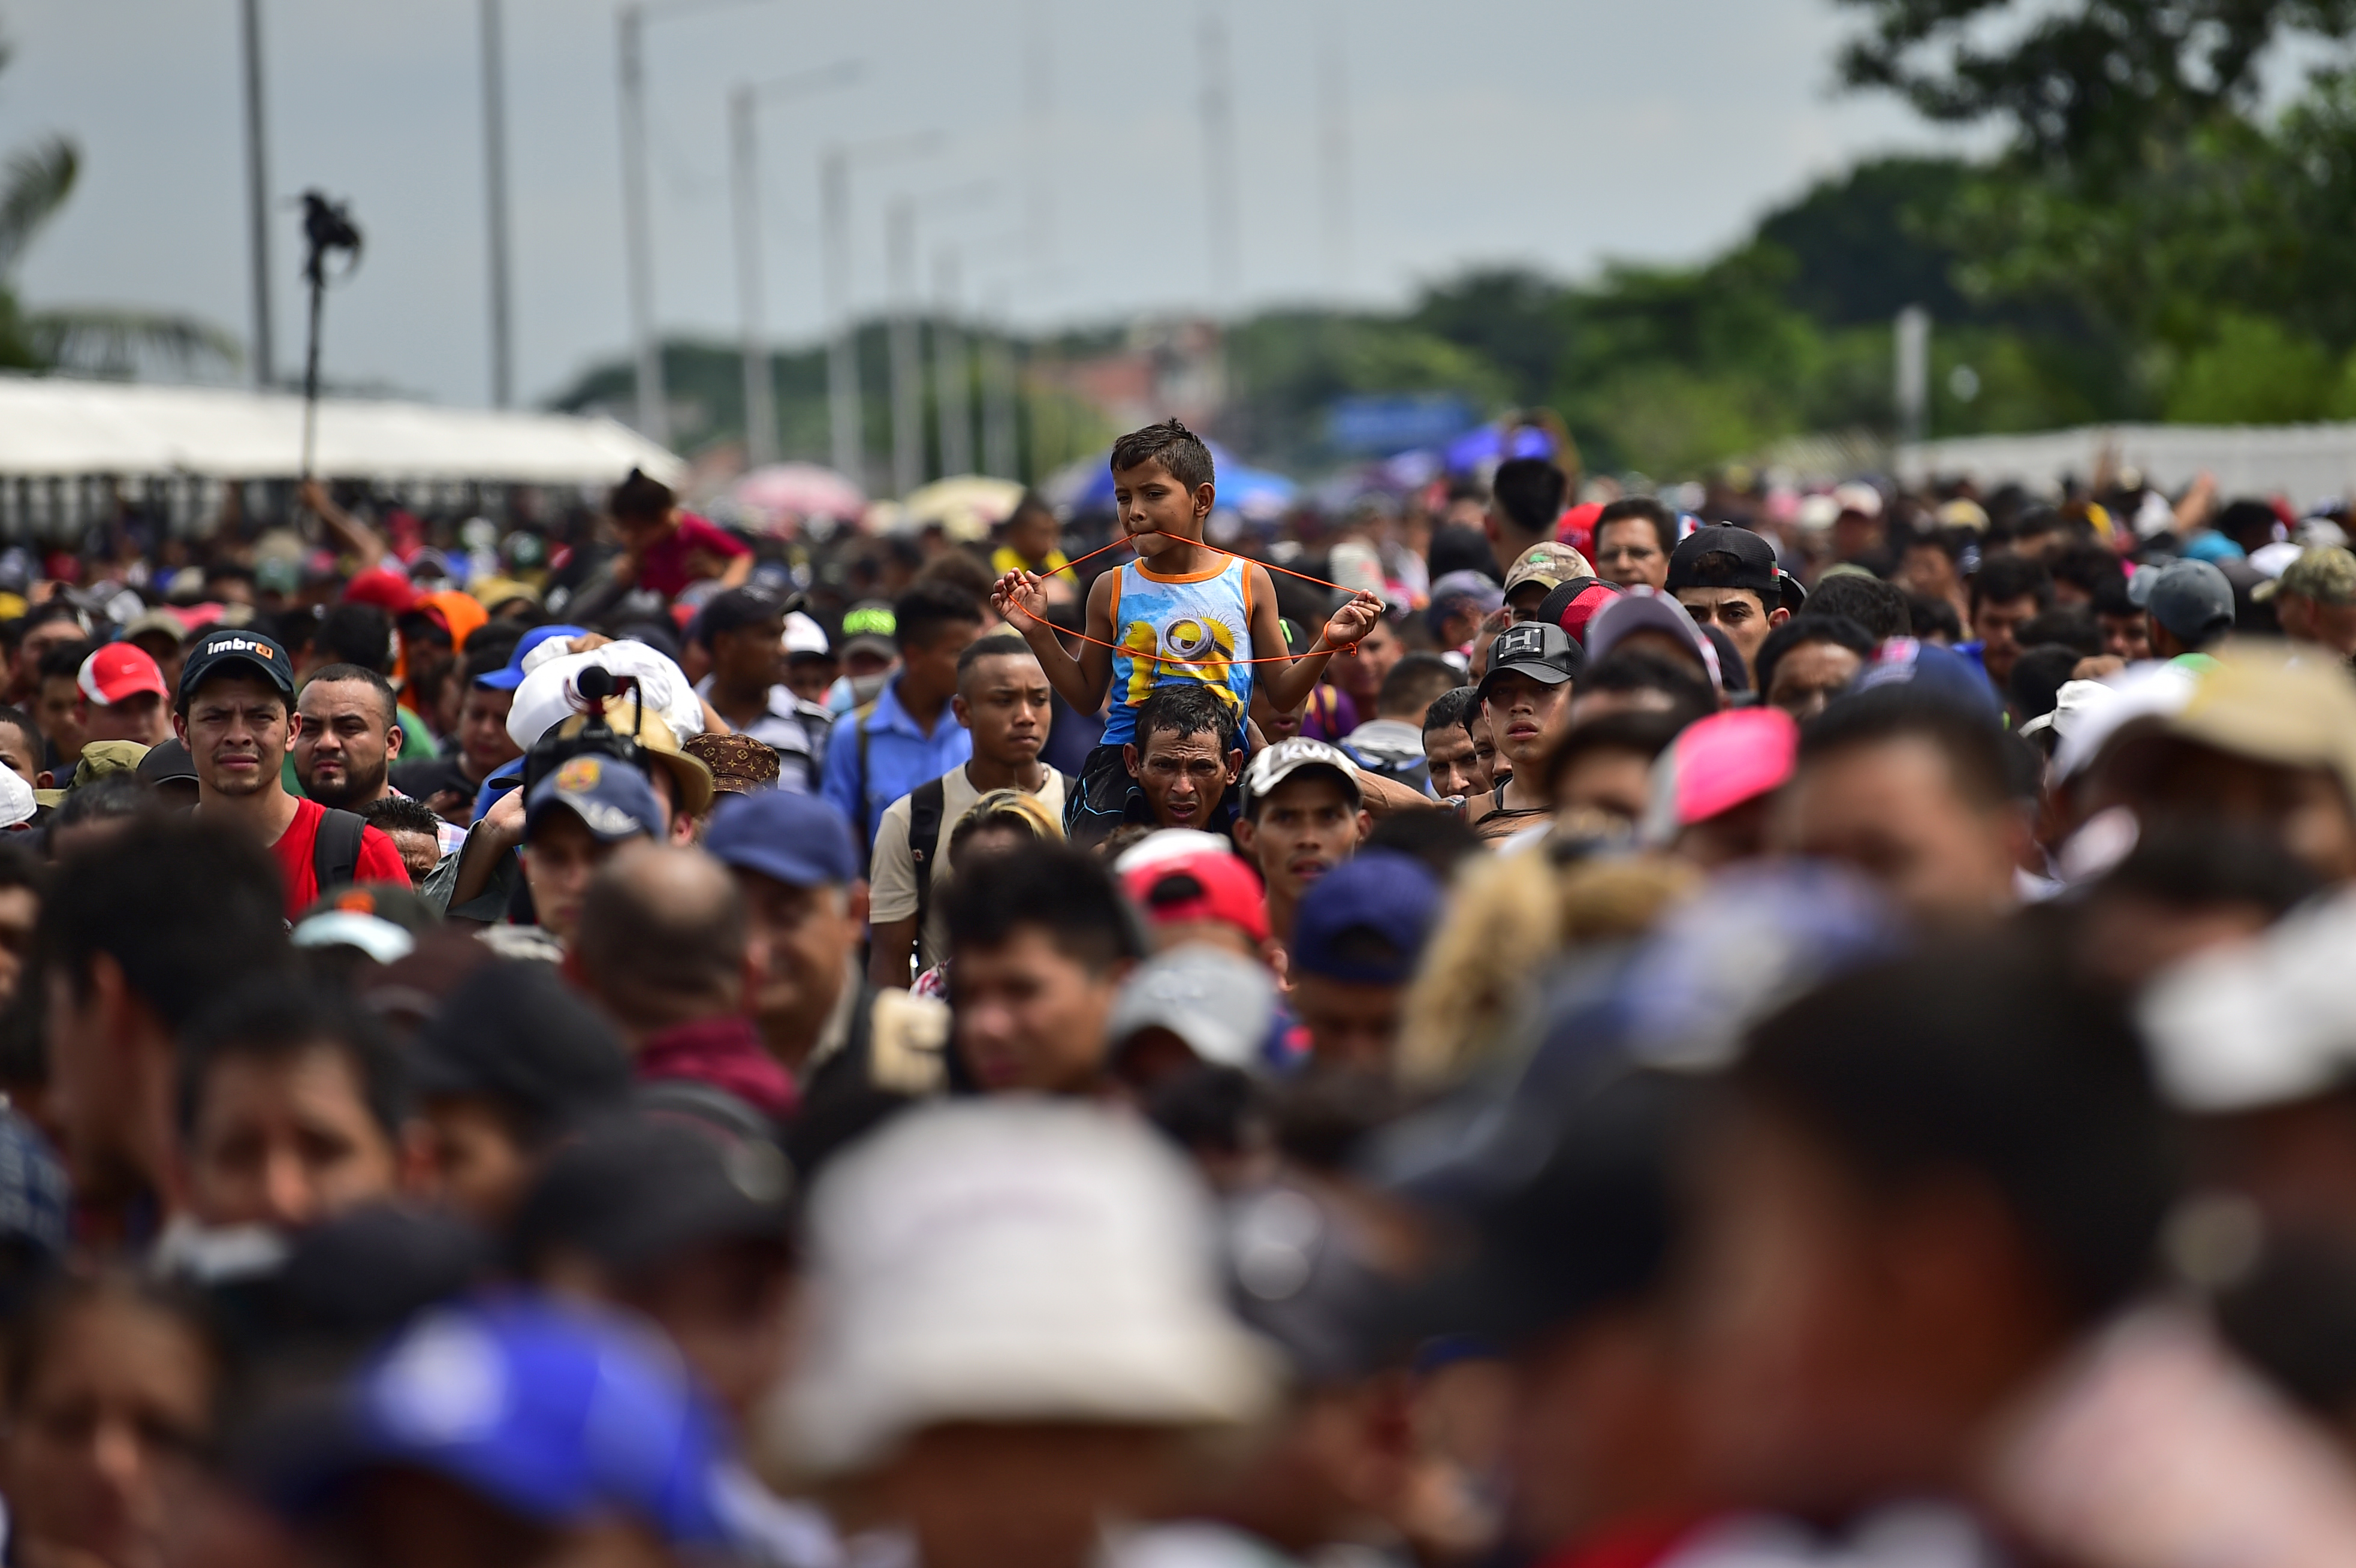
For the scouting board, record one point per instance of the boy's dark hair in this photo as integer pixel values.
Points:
(1879, 607)
(1971, 743)
(1184, 708)
(1179, 450)
(105, 799)
(2088, 566)
(2035, 684)
(1416, 681)
(1646, 732)
(1529, 492)
(355, 634)
(640, 498)
(63, 660)
(920, 615)
(997, 645)
(1641, 669)
(2072, 624)
(1441, 840)
(399, 813)
(275, 1021)
(1054, 889)
(366, 676)
(185, 907)
(1664, 521)
(2004, 578)
(1931, 618)
(1452, 709)
(1992, 1059)
(1807, 626)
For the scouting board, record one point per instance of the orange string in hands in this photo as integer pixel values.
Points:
(1199, 544)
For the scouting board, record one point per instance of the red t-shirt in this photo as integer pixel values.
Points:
(379, 860)
(668, 564)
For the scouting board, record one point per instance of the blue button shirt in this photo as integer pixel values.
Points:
(900, 757)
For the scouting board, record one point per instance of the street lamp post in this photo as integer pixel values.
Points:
(847, 441)
(952, 376)
(495, 196)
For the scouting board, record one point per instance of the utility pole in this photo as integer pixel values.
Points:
(495, 195)
(745, 150)
(952, 376)
(907, 365)
(1219, 161)
(847, 441)
(1334, 151)
(998, 441)
(1914, 369)
(654, 416)
(1039, 111)
(257, 198)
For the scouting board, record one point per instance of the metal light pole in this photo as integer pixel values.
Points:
(952, 376)
(998, 454)
(494, 197)
(907, 370)
(257, 198)
(744, 138)
(847, 441)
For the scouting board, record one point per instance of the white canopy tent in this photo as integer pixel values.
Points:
(2307, 463)
(54, 428)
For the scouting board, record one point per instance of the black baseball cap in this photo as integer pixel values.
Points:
(1537, 649)
(1754, 560)
(633, 1192)
(167, 764)
(740, 607)
(516, 1035)
(238, 648)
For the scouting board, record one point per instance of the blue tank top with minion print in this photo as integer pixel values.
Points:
(1159, 620)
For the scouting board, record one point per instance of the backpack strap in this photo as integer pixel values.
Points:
(336, 852)
(926, 803)
(859, 717)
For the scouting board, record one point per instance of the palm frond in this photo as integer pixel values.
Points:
(33, 185)
(117, 342)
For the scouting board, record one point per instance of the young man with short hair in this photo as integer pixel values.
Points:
(746, 630)
(2007, 593)
(1526, 698)
(885, 749)
(1038, 952)
(414, 831)
(1303, 814)
(2190, 606)
(1356, 940)
(293, 1108)
(122, 696)
(1525, 498)
(1391, 743)
(1810, 660)
(235, 715)
(350, 738)
(1728, 576)
(1005, 704)
(1449, 753)
(58, 706)
(1186, 756)
(1634, 539)
(575, 820)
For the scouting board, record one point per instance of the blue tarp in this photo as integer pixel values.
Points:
(1255, 492)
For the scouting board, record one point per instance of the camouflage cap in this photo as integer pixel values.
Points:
(1552, 564)
(2325, 574)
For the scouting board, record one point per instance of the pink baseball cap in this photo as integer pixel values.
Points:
(117, 671)
(1718, 763)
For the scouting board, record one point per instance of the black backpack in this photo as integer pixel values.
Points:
(336, 852)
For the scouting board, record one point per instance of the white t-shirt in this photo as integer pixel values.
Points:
(891, 881)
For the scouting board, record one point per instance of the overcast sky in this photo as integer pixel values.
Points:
(1555, 133)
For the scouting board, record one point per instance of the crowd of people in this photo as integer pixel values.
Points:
(1516, 1026)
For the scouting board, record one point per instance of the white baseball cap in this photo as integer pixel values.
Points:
(1280, 762)
(2264, 1023)
(804, 635)
(1008, 1260)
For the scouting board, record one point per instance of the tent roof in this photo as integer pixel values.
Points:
(50, 425)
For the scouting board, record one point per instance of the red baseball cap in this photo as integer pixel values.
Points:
(1208, 885)
(118, 670)
(382, 587)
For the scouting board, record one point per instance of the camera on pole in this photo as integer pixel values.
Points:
(327, 230)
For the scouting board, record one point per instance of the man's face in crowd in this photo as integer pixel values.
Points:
(1928, 570)
(1007, 704)
(1034, 534)
(1352, 1025)
(1526, 599)
(931, 666)
(1493, 770)
(1811, 675)
(1307, 825)
(1997, 623)
(802, 937)
(139, 718)
(1525, 714)
(1031, 1016)
(1607, 779)
(751, 656)
(1361, 673)
(808, 676)
(1891, 808)
(1628, 552)
(2126, 637)
(1184, 777)
(348, 743)
(57, 711)
(285, 1140)
(559, 859)
(1739, 613)
(480, 1167)
(237, 730)
(420, 853)
(483, 735)
(20, 752)
(2311, 620)
(1455, 766)
(41, 638)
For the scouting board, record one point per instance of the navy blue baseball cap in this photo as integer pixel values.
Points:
(612, 799)
(248, 651)
(558, 1413)
(1367, 919)
(800, 840)
(508, 678)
